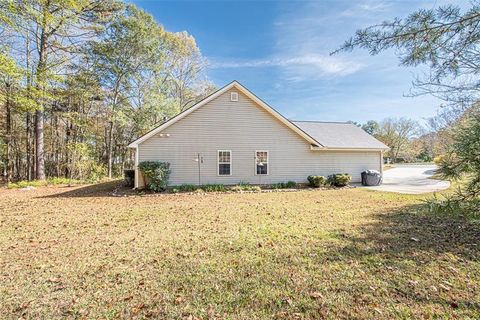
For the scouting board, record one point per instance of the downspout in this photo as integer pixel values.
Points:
(381, 162)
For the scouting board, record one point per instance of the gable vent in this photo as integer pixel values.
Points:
(233, 96)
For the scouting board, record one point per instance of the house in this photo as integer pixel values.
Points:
(233, 136)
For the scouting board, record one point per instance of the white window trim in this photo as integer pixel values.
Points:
(218, 163)
(268, 162)
(234, 96)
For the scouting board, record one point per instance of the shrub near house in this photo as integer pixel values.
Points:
(156, 174)
(316, 181)
(339, 179)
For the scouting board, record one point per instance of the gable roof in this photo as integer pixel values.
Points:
(340, 135)
(320, 135)
(248, 93)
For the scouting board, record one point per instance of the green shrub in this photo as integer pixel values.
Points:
(187, 188)
(316, 181)
(291, 184)
(213, 188)
(339, 179)
(84, 164)
(156, 174)
(96, 172)
(245, 187)
(284, 185)
(280, 185)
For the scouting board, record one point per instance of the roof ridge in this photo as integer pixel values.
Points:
(319, 121)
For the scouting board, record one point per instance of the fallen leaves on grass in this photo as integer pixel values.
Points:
(304, 255)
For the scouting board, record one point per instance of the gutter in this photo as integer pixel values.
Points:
(313, 148)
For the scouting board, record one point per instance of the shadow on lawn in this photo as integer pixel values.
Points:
(412, 243)
(411, 230)
(105, 189)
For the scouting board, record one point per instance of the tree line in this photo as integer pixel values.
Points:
(81, 79)
(410, 140)
(445, 40)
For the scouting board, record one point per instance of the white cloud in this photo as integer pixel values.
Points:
(316, 63)
(304, 34)
(366, 8)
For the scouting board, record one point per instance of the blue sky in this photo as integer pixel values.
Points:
(280, 51)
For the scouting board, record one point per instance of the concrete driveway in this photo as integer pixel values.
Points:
(413, 179)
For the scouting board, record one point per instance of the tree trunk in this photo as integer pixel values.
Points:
(110, 150)
(110, 131)
(28, 147)
(8, 134)
(39, 140)
(55, 146)
(41, 82)
(28, 120)
(67, 152)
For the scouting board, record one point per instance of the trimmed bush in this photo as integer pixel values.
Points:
(156, 174)
(187, 188)
(339, 179)
(213, 188)
(316, 181)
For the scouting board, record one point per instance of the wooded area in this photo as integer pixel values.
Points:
(411, 141)
(81, 79)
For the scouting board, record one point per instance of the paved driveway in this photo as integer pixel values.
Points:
(412, 179)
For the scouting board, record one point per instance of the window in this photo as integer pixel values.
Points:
(224, 162)
(233, 96)
(261, 162)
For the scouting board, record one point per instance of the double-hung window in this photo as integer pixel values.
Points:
(224, 162)
(261, 162)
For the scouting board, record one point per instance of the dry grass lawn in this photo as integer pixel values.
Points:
(78, 252)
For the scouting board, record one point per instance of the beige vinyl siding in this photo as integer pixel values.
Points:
(243, 127)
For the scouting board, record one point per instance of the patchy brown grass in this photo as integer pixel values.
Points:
(78, 252)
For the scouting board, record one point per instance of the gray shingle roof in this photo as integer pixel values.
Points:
(339, 135)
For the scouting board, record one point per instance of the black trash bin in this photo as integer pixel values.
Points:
(371, 178)
(129, 178)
